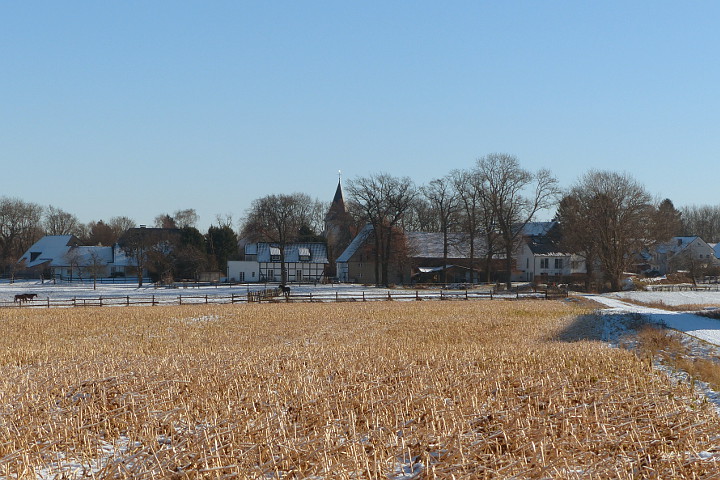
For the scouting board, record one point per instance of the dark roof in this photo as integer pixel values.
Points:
(338, 198)
(548, 242)
(293, 251)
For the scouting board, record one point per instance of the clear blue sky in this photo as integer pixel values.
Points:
(141, 108)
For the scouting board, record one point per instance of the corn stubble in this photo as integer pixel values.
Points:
(377, 390)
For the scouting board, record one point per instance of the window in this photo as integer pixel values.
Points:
(298, 276)
(274, 254)
(271, 275)
(242, 276)
(253, 274)
(544, 263)
(304, 254)
(559, 263)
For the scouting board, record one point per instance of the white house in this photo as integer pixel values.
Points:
(62, 256)
(682, 250)
(305, 262)
(541, 258)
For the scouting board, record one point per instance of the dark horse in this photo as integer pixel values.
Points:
(285, 290)
(24, 297)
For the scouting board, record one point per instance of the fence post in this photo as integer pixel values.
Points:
(389, 297)
(153, 300)
(101, 301)
(466, 297)
(48, 300)
(363, 295)
(179, 299)
(417, 295)
(74, 302)
(336, 296)
(206, 299)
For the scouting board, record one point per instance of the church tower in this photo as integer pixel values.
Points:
(338, 227)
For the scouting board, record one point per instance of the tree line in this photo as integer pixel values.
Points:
(190, 251)
(605, 216)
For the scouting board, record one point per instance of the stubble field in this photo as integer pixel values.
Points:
(382, 390)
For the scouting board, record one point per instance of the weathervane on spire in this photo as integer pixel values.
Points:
(339, 175)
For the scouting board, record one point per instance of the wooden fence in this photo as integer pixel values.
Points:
(275, 295)
(684, 288)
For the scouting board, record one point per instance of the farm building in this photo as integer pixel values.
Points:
(305, 262)
(62, 257)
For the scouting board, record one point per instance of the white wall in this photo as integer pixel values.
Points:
(243, 271)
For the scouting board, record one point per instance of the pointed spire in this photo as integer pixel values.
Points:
(339, 199)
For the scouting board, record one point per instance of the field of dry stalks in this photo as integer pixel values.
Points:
(384, 390)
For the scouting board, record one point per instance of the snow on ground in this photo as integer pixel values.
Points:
(671, 298)
(701, 335)
(66, 291)
(706, 329)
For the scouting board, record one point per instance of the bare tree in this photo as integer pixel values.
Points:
(120, 225)
(611, 215)
(577, 232)
(420, 217)
(75, 261)
(95, 265)
(477, 217)
(185, 218)
(59, 222)
(383, 200)
(515, 195)
(20, 227)
(164, 220)
(278, 219)
(703, 221)
(444, 199)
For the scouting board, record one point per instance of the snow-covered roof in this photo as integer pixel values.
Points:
(431, 245)
(441, 268)
(677, 244)
(47, 249)
(356, 243)
(86, 256)
(316, 251)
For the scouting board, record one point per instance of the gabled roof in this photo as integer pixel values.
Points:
(293, 252)
(431, 245)
(356, 243)
(538, 228)
(47, 249)
(678, 244)
(86, 256)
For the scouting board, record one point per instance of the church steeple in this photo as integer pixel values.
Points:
(338, 226)
(338, 202)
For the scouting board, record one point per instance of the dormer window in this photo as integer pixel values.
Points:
(34, 256)
(274, 254)
(304, 254)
